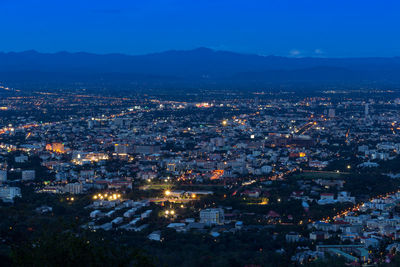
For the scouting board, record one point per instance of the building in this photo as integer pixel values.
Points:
(326, 198)
(21, 159)
(212, 216)
(345, 197)
(117, 220)
(266, 169)
(7, 194)
(156, 236)
(73, 188)
(28, 175)
(292, 237)
(96, 213)
(50, 189)
(3, 176)
(121, 149)
(320, 235)
(171, 167)
(331, 113)
(147, 149)
(56, 147)
(87, 174)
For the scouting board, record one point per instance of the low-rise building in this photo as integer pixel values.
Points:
(8, 193)
(212, 216)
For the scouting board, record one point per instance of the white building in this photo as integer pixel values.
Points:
(73, 188)
(331, 113)
(3, 175)
(292, 237)
(96, 213)
(28, 175)
(266, 169)
(117, 220)
(156, 236)
(345, 197)
(145, 214)
(326, 198)
(21, 159)
(121, 149)
(7, 194)
(129, 213)
(212, 216)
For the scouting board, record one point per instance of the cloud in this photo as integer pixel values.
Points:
(318, 51)
(295, 52)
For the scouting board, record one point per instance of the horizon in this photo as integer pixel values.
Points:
(283, 28)
(190, 50)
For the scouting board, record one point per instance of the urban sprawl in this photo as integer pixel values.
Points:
(301, 179)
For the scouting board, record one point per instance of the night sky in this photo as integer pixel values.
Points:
(325, 28)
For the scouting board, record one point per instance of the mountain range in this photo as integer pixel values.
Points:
(201, 66)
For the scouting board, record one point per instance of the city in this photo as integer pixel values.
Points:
(199, 133)
(312, 175)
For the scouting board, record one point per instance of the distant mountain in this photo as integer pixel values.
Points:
(199, 66)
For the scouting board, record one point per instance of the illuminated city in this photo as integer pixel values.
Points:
(147, 133)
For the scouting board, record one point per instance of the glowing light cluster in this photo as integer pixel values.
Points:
(106, 196)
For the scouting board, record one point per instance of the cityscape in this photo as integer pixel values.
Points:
(174, 133)
(315, 176)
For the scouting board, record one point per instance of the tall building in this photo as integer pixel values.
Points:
(366, 111)
(212, 216)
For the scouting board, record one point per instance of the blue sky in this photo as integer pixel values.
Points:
(351, 28)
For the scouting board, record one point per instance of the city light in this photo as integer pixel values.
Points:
(169, 212)
(272, 161)
(107, 196)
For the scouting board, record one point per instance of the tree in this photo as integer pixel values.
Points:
(67, 249)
